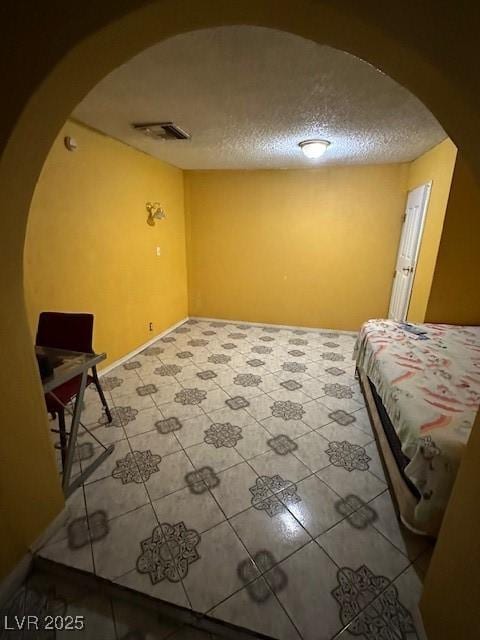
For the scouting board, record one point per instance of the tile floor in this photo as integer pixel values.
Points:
(246, 484)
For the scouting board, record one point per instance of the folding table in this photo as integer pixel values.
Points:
(67, 365)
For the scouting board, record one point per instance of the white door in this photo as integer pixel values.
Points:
(408, 249)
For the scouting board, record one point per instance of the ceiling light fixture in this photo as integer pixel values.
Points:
(314, 148)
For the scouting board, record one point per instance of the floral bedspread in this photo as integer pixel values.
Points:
(428, 377)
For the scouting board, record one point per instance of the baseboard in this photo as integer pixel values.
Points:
(143, 346)
(267, 324)
(12, 583)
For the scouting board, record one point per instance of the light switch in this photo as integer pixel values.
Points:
(159, 253)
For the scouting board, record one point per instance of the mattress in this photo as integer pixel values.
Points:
(393, 440)
(428, 379)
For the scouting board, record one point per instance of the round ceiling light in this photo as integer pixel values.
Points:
(314, 148)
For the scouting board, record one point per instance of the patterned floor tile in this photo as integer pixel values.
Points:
(347, 455)
(106, 434)
(164, 590)
(213, 579)
(239, 416)
(192, 431)
(362, 421)
(311, 450)
(254, 441)
(199, 510)
(409, 587)
(206, 380)
(296, 411)
(282, 444)
(297, 376)
(169, 551)
(92, 410)
(159, 443)
(117, 553)
(345, 483)
(307, 598)
(113, 497)
(79, 557)
(75, 508)
(215, 400)
(165, 393)
(281, 534)
(270, 382)
(260, 406)
(347, 404)
(224, 372)
(316, 510)
(247, 392)
(171, 475)
(135, 401)
(297, 395)
(219, 459)
(352, 547)
(288, 466)
(232, 493)
(375, 464)
(387, 522)
(188, 369)
(144, 421)
(108, 465)
(369, 606)
(313, 388)
(181, 411)
(265, 616)
(316, 414)
(293, 429)
(120, 383)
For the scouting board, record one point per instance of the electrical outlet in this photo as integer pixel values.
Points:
(158, 251)
(150, 326)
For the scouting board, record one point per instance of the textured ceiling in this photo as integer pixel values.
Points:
(248, 95)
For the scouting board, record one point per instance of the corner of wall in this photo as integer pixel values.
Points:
(454, 295)
(188, 240)
(435, 165)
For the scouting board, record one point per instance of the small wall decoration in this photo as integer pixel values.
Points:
(155, 212)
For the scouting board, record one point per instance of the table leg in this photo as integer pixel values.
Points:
(69, 487)
(72, 441)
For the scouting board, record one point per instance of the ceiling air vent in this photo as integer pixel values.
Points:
(161, 130)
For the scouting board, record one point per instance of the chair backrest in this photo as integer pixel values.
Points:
(71, 331)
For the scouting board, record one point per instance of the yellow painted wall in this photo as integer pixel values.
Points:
(452, 588)
(88, 247)
(311, 248)
(455, 291)
(436, 165)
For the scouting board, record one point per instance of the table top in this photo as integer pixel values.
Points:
(67, 365)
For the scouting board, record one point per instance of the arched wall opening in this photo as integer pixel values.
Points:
(73, 60)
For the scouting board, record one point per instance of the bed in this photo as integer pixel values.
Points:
(422, 388)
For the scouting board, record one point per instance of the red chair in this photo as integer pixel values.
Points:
(72, 332)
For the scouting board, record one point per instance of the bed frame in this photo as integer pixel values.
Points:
(404, 500)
